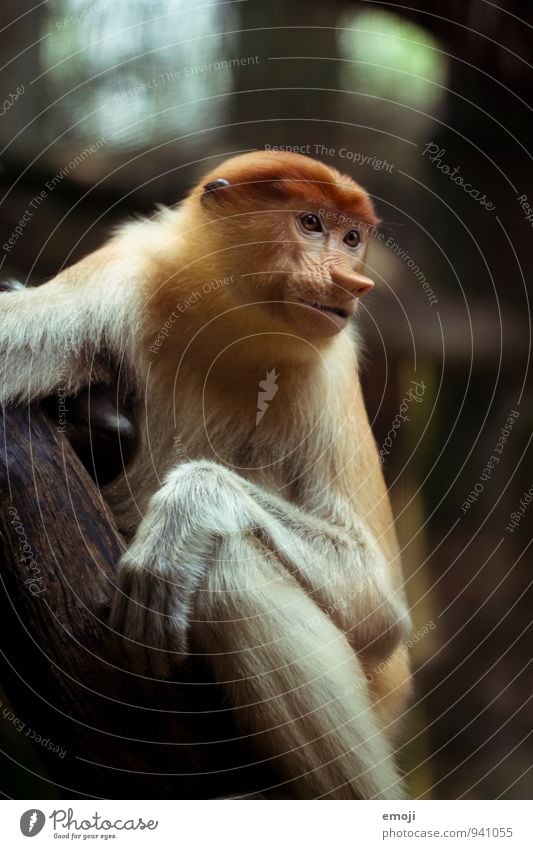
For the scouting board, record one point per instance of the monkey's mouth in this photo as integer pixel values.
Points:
(327, 308)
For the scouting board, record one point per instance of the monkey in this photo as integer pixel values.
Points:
(267, 547)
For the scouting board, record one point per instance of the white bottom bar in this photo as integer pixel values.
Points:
(267, 825)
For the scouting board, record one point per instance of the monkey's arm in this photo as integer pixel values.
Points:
(42, 345)
(335, 557)
(341, 568)
(64, 334)
(98, 423)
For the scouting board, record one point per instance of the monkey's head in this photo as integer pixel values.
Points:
(291, 233)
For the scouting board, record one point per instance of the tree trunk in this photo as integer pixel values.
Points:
(100, 729)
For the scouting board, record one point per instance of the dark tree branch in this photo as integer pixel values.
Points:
(124, 736)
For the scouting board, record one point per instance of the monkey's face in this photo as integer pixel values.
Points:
(300, 269)
(293, 234)
(325, 251)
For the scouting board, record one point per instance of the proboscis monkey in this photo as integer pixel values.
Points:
(262, 532)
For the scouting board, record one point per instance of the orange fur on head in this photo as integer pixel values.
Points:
(281, 177)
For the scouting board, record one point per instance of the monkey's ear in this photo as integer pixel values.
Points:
(212, 188)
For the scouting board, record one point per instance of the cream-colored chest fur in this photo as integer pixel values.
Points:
(268, 424)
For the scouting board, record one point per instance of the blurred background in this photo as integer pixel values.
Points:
(107, 109)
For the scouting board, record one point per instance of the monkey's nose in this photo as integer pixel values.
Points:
(351, 282)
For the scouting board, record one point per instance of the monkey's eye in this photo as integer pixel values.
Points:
(311, 222)
(352, 239)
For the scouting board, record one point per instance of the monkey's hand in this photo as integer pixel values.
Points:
(159, 576)
(10, 286)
